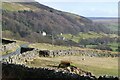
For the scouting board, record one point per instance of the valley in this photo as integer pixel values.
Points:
(41, 42)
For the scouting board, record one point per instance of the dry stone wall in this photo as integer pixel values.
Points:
(8, 47)
(21, 58)
(20, 72)
(90, 53)
(30, 55)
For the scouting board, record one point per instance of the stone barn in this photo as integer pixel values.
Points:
(5, 41)
(44, 53)
(24, 49)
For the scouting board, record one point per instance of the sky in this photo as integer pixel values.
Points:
(87, 8)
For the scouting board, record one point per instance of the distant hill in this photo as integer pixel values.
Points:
(28, 20)
(108, 22)
(102, 18)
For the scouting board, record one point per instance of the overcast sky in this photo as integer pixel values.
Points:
(88, 8)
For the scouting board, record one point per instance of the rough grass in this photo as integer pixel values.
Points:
(114, 45)
(91, 46)
(78, 37)
(16, 6)
(98, 66)
(90, 35)
(6, 52)
(44, 46)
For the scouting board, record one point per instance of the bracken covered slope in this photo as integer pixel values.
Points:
(23, 20)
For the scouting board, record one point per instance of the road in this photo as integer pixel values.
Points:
(16, 52)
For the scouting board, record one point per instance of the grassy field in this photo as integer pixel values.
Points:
(44, 46)
(78, 37)
(98, 66)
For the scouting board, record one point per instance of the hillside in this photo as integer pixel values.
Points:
(108, 22)
(29, 20)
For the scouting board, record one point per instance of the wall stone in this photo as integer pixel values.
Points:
(9, 46)
(21, 72)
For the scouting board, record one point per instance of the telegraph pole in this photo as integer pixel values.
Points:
(52, 39)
